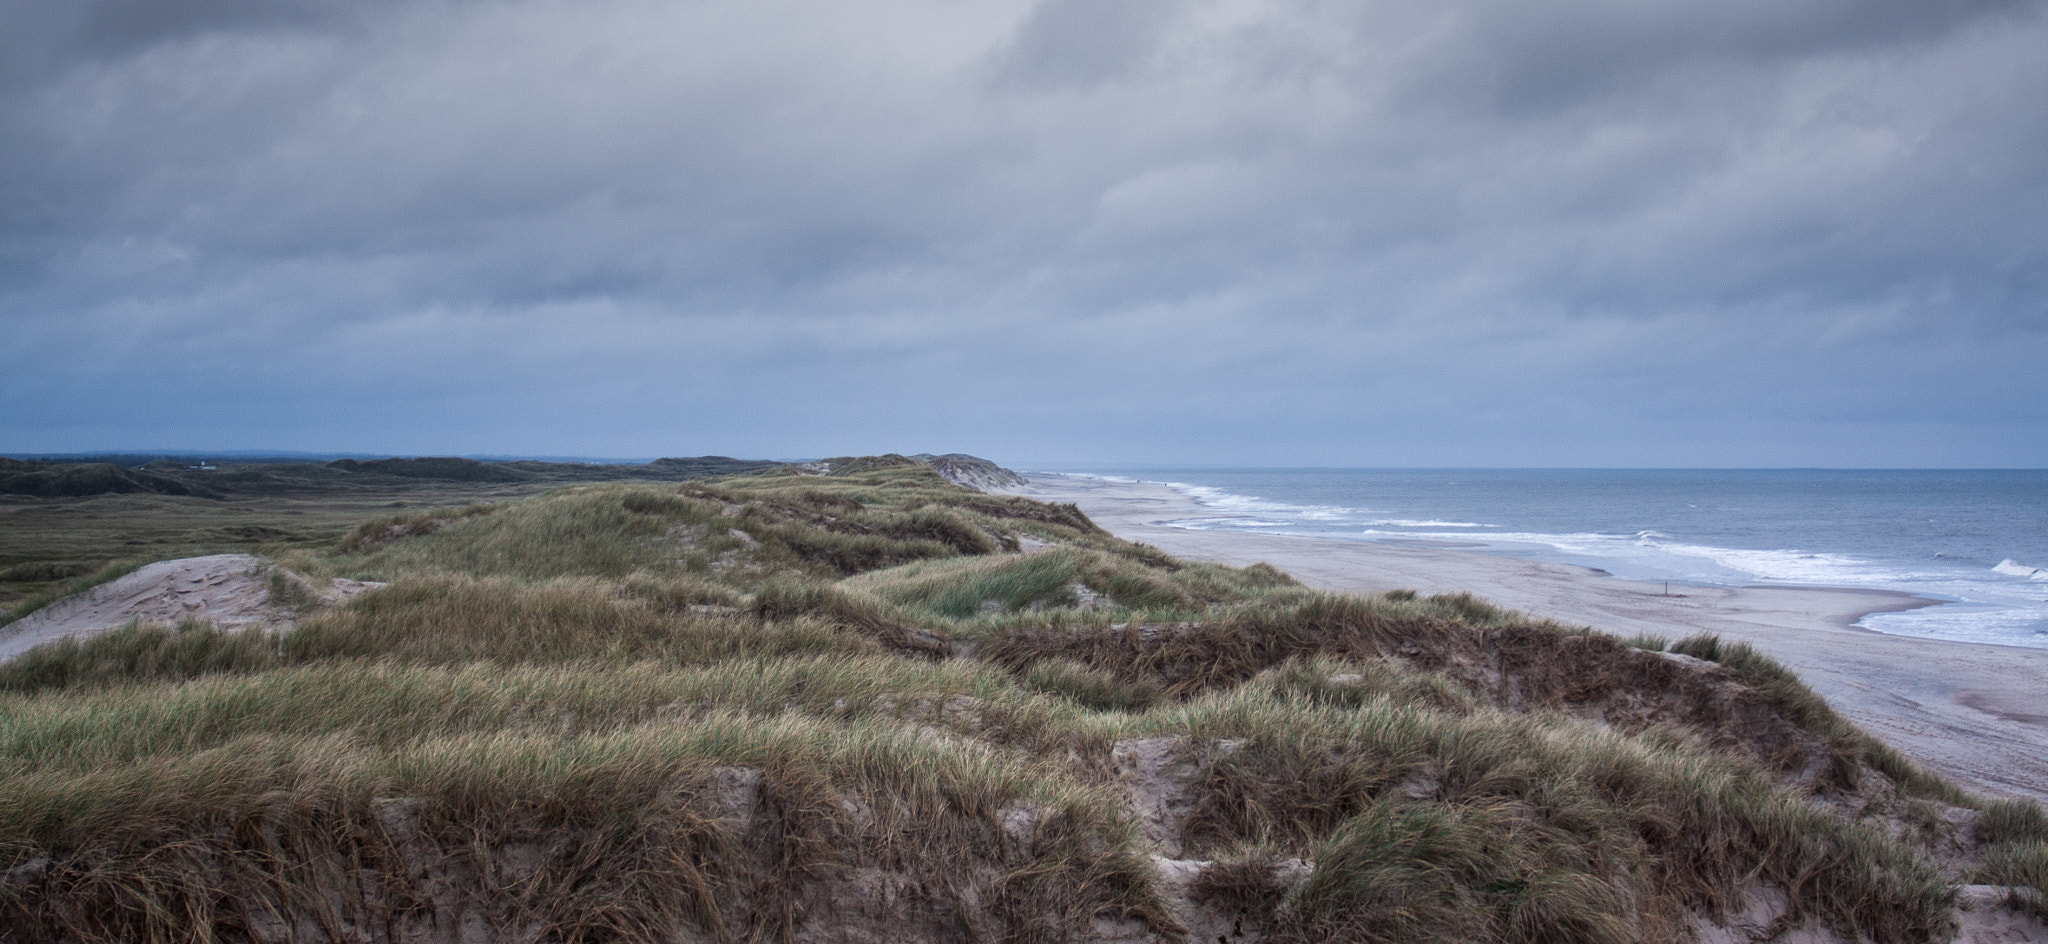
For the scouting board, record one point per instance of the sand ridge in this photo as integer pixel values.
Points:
(1969, 711)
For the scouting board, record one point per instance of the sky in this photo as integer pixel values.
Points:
(1057, 233)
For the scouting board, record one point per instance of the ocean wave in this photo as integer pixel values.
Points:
(1657, 555)
(2013, 568)
(1793, 566)
(1781, 565)
(2003, 624)
(1983, 602)
(1655, 552)
(1226, 523)
(1231, 501)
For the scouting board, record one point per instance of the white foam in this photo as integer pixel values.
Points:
(2013, 568)
(1225, 523)
(1790, 565)
(1660, 556)
(2000, 624)
(1090, 475)
(1981, 607)
(1229, 501)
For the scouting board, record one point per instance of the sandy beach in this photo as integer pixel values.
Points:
(1977, 714)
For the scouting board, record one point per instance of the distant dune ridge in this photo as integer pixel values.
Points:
(454, 470)
(59, 479)
(960, 469)
(76, 480)
(883, 699)
(971, 472)
(231, 477)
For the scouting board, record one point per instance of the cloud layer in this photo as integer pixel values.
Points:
(1591, 232)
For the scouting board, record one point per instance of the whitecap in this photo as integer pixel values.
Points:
(2013, 568)
(1219, 498)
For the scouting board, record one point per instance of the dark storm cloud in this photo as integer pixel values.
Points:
(1587, 231)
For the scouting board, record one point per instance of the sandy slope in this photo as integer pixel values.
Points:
(1978, 714)
(227, 590)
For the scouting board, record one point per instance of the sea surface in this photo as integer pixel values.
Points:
(1977, 539)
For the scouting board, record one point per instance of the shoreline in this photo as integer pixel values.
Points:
(1968, 711)
(1900, 602)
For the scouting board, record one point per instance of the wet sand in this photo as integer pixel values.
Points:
(1977, 714)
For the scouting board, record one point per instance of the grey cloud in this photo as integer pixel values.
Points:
(1140, 229)
(1078, 43)
(1544, 57)
(46, 38)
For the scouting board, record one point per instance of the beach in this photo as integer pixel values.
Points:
(1974, 713)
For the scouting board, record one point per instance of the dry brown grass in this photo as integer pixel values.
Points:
(638, 712)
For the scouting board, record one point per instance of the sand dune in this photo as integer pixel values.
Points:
(227, 590)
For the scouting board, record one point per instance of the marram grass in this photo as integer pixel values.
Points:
(636, 712)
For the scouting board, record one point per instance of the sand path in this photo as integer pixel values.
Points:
(1977, 714)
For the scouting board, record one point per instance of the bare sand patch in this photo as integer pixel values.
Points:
(228, 590)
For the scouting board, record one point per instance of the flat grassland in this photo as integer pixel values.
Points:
(870, 704)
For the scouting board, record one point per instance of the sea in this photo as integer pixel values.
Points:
(1977, 540)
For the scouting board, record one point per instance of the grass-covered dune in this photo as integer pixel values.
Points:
(871, 705)
(231, 479)
(46, 480)
(70, 526)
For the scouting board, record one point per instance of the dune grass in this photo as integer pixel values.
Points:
(639, 712)
(629, 823)
(2015, 837)
(1854, 749)
(1547, 830)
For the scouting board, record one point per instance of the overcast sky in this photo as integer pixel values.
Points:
(1062, 234)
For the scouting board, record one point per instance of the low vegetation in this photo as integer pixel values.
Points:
(70, 519)
(858, 699)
